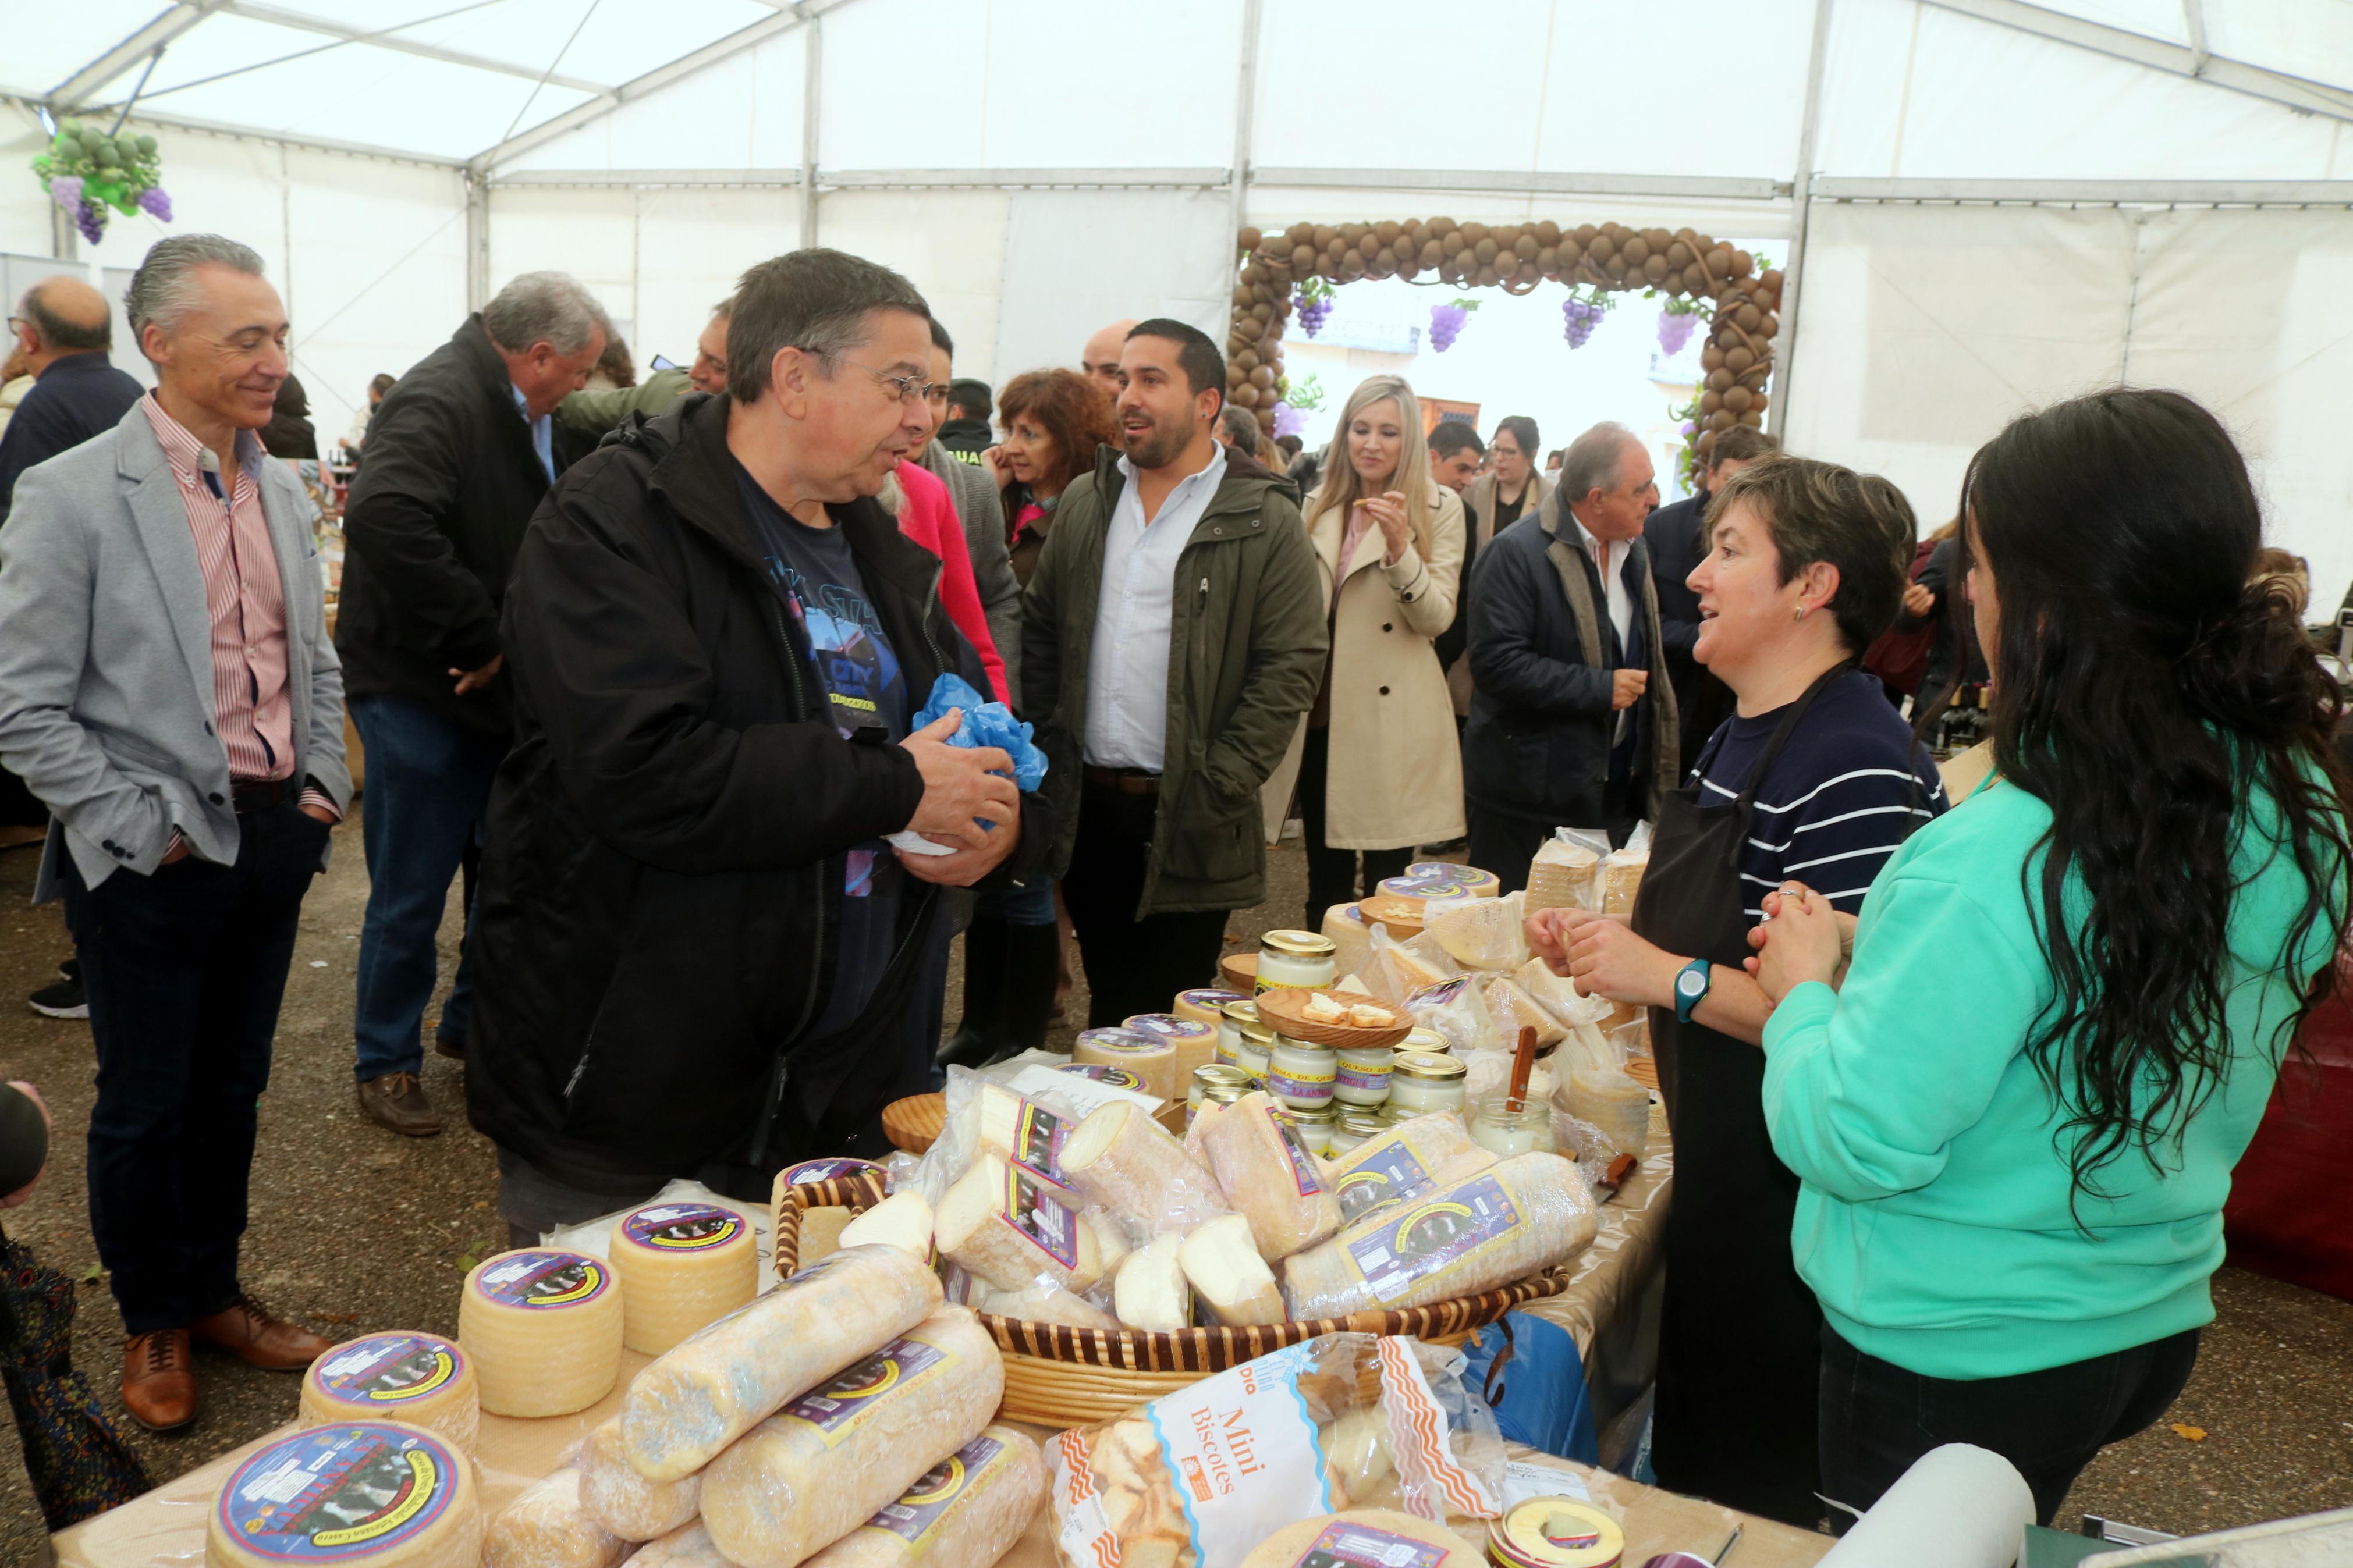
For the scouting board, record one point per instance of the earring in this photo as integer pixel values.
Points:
(1800, 614)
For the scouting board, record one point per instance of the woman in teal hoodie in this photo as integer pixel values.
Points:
(2014, 1118)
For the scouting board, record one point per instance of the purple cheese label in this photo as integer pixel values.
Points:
(384, 1370)
(1038, 1135)
(927, 1503)
(1304, 1173)
(1169, 1026)
(683, 1227)
(1437, 882)
(1462, 876)
(545, 1280)
(1388, 1177)
(1437, 996)
(827, 1170)
(1428, 1237)
(1121, 1039)
(337, 1494)
(1040, 1214)
(838, 1407)
(1362, 1546)
(1211, 999)
(1118, 1078)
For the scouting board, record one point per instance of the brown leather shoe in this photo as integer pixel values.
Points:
(244, 1331)
(159, 1379)
(398, 1100)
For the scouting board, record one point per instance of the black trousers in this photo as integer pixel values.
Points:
(1504, 842)
(1133, 965)
(1332, 873)
(184, 972)
(1877, 1418)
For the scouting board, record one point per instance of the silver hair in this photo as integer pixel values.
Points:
(1593, 460)
(164, 289)
(544, 307)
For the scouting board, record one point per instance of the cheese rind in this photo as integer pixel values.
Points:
(1363, 1538)
(966, 1511)
(1150, 1056)
(544, 1329)
(546, 1527)
(1122, 1160)
(1351, 937)
(1004, 1224)
(415, 1378)
(682, 1265)
(376, 1492)
(826, 1463)
(1269, 1176)
(624, 1501)
(1229, 1277)
(711, 1390)
(688, 1546)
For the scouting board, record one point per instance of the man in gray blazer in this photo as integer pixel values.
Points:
(168, 691)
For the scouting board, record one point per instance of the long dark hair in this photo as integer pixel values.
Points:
(2147, 693)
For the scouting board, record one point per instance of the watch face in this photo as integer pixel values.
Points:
(1690, 983)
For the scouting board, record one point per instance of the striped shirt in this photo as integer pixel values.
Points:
(1848, 787)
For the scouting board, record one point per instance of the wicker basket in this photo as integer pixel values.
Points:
(1060, 1376)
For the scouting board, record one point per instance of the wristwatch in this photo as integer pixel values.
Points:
(1691, 983)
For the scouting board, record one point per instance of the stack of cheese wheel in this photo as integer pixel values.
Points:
(1194, 1043)
(822, 1224)
(377, 1493)
(1205, 1005)
(1150, 1058)
(1470, 879)
(1561, 877)
(681, 1265)
(418, 1379)
(1352, 938)
(544, 1330)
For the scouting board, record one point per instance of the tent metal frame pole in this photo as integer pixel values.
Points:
(1802, 203)
(74, 92)
(812, 119)
(2090, 193)
(478, 243)
(1245, 109)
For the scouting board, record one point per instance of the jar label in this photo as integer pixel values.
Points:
(1428, 1237)
(545, 1279)
(336, 1494)
(840, 1407)
(924, 1507)
(1368, 1078)
(1362, 1546)
(1388, 1177)
(1265, 985)
(386, 1369)
(1299, 1085)
(683, 1227)
(1041, 1216)
(1303, 1165)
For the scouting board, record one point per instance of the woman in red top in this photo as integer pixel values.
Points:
(928, 516)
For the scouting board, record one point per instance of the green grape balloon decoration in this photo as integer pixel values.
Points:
(85, 171)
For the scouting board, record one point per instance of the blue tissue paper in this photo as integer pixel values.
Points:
(985, 724)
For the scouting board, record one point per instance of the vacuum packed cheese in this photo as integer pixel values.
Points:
(1561, 877)
(1514, 1010)
(1394, 973)
(1229, 1277)
(1351, 936)
(1518, 1216)
(414, 1378)
(966, 1511)
(1269, 1176)
(1043, 1303)
(544, 1330)
(682, 1265)
(828, 1462)
(1002, 1223)
(1612, 1103)
(1023, 1133)
(903, 1220)
(1365, 1538)
(624, 1501)
(546, 1527)
(1479, 933)
(1149, 1056)
(1620, 878)
(1150, 1290)
(717, 1386)
(1559, 993)
(1420, 1152)
(1122, 1160)
(374, 1492)
(688, 1546)
(1195, 1041)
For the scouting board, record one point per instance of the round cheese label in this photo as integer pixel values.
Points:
(1121, 1039)
(1117, 1078)
(384, 1370)
(1210, 999)
(682, 1227)
(545, 1280)
(338, 1494)
(1423, 885)
(1469, 877)
(1169, 1026)
(826, 1170)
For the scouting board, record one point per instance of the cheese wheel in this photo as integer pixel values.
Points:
(373, 1492)
(1351, 936)
(966, 1511)
(417, 1379)
(1363, 1538)
(1615, 1103)
(546, 1527)
(822, 1232)
(1269, 1176)
(688, 1546)
(1122, 1160)
(1514, 1010)
(544, 1330)
(717, 1386)
(1002, 1225)
(1515, 1218)
(1229, 1277)
(1560, 876)
(1206, 1005)
(827, 1462)
(1193, 1039)
(903, 1220)
(1150, 1292)
(624, 1501)
(681, 1265)
(1620, 878)
(1149, 1056)
(1470, 879)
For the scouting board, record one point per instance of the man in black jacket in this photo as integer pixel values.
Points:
(460, 454)
(1572, 721)
(1676, 537)
(695, 955)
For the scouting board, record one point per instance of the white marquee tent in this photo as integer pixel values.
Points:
(1988, 204)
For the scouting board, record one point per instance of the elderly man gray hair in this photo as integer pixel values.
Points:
(458, 457)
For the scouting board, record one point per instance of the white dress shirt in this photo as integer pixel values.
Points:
(1127, 668)
(1611, 560)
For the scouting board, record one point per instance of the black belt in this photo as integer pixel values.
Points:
(252, 798)
(1125, 781)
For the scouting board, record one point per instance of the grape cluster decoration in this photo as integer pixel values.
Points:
(1446, 324)
(87, 170)
(1312, 302)
(1580, 316)
(1675, 330)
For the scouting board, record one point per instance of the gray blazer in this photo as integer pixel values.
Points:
(106, 672)
(973, 490)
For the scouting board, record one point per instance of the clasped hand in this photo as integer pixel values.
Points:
(964, 788)
(1801, 938)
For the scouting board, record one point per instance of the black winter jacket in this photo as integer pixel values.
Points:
(431, 529)
(661, 882)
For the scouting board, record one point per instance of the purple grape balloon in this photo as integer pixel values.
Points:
(1313, 308)
(156, 204)
(91, 222)
(66, 190)
(1675, 331)
(1446, 325)
(1582, 317)
(1289, 421)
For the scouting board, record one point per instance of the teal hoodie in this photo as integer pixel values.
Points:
(1934, 1221)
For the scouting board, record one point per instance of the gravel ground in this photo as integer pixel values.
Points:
(354, 1230)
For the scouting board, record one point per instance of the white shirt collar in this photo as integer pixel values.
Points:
(1213, 471)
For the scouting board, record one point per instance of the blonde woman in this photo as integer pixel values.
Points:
(1375, 767)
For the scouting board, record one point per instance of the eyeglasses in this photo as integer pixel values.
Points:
(910, 388)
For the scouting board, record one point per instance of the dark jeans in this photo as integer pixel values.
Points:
(1332, 873)
(1504, 842)
(1133, 965)
(428, 783)
(184, 970)
(1877, 1418)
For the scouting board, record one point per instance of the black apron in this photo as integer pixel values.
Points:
(1739, 1340)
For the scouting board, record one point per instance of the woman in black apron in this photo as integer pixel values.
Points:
(1815, 776)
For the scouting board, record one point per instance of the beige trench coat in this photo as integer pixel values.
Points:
(1395, 777)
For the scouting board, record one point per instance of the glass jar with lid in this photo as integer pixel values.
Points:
(1235, 1014)
(1423, 1081)
(1296, 961)
(1249, 1045)
(1301, 1073)
(1213, 1074)
(1504, 1133)
(1354, 1125)
(1316, 1130)
(1364, 1074)
(1426, 1039)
